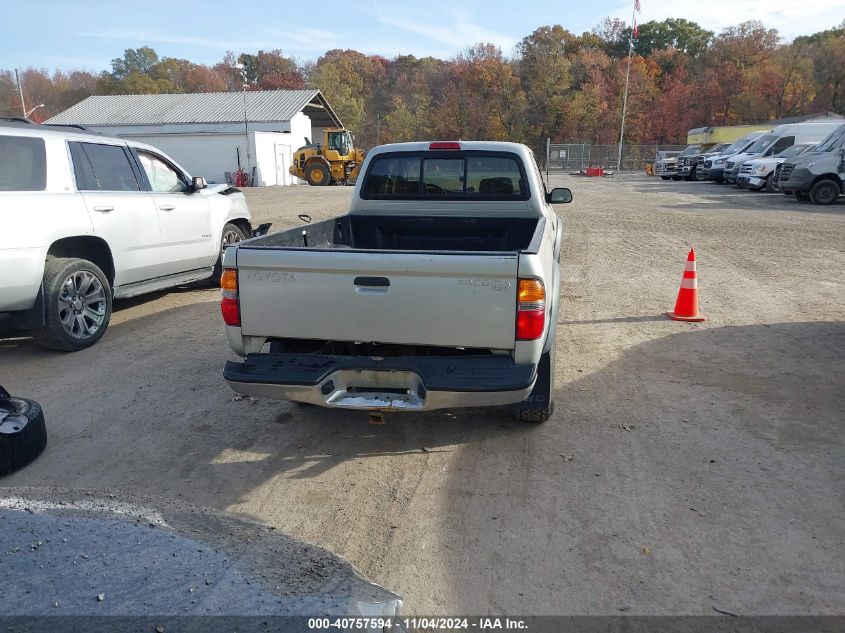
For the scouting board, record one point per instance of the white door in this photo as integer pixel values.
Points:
(184, 216)
(282, 164)
(121, 212)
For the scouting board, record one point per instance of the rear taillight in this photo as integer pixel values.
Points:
(229, 305)
(530, 310)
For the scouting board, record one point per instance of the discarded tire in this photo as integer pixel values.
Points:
(23, 435)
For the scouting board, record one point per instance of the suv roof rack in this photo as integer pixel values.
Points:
(64, 125)
(17, 121)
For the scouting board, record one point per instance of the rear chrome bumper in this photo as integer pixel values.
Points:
(383, 384)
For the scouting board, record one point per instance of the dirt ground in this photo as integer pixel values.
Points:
(688, 466)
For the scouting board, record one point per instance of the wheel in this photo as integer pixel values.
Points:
(77, 304)
(772, 185)
(803, 197)
(825, 192)
(317, 175)
(232, 234)
(666, 177)
(540, 404)
(23, 435)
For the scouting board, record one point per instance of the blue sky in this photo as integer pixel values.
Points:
(87, 34)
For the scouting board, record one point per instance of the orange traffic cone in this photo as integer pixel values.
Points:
(686, 307)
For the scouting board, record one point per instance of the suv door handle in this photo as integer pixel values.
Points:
(166, 207)
(103, 209)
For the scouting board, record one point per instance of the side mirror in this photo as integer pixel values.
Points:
(559, 195)
(198, 182)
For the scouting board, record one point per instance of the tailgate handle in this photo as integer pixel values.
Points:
(372, 282)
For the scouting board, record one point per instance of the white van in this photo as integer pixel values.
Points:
(779, 139)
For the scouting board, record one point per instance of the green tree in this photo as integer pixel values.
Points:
(680, 34)
(135, 60)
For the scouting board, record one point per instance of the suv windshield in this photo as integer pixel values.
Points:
(836, 138)
(760, 145)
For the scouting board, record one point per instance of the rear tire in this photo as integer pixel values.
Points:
(23, 435)
(540, 404)
(825, 192)
(77, 304)
(317, 175)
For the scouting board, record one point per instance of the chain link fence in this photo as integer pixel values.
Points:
(572, 157)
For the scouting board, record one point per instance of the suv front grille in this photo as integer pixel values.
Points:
(745, 168)
(785, 171)
(729, 166)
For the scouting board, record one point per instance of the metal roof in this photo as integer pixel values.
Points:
(208, 107)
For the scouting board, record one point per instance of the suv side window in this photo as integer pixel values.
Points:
(163, 178)
(23, 164)
(102, 168)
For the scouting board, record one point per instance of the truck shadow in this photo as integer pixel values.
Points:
(716, 449)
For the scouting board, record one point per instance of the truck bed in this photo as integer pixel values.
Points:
(412, 233)
(425, 281)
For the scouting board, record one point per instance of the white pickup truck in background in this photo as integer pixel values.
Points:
(438, 289)
(87, 218)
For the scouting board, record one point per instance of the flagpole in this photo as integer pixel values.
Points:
(625, 97)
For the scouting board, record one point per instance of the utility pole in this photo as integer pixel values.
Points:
(20, 91)
(625, 98)
(245, 86)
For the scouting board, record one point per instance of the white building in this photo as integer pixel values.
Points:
(210, 134)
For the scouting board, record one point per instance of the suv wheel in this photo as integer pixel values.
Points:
(77, 304)
(232, 234)
(825, 192)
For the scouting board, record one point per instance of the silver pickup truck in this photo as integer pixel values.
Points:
(438, 289)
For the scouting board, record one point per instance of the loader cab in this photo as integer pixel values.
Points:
(340, 141)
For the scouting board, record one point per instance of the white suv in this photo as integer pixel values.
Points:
(87, 218)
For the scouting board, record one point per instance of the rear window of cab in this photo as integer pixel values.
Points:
(446, 175)
(23, 164)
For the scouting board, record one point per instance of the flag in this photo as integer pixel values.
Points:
(635, 34)
(637, 6)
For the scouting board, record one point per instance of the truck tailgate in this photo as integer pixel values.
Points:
(441, 299)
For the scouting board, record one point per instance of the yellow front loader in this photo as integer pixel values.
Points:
(334, 161)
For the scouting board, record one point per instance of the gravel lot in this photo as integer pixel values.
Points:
(689, 466)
